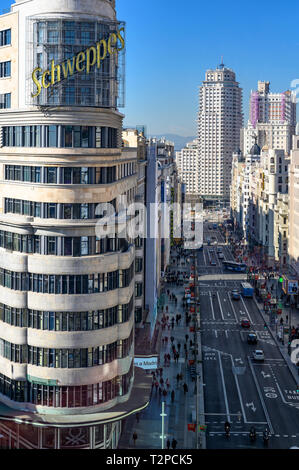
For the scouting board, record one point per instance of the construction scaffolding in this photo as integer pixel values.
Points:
(62, 40)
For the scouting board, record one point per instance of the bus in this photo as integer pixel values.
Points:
(233, 266)
(247, 289)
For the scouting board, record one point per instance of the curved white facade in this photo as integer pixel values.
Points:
(66, 294)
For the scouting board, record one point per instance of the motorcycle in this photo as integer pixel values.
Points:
(252, 436)
(227, 431)
(266, 437)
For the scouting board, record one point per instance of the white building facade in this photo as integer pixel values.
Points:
(66, 291)
(188, 167)
(220, 120)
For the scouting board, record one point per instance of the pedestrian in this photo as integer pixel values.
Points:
(163, 340)
(168, 444)
(137, 417)
(179, 346)
(166, 340)
(172, 396)
(186, 355)
(161, 381)
(156, 385)
(191, 343)
(165, 359)
(168, 358)
(174, 443)
(164, 393)
(185, 387)
(185, 346)
(177, 379)
(167, 383)
(172, 339)
(160, 391)
(135, 437)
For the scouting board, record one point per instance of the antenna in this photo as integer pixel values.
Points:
(222, 64)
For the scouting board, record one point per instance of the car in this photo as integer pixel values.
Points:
(236, 295)
(252, 338)
(213, 263)
(258, 355)
(221, 256)
(245, 323)
(219, 249)
(211, 250)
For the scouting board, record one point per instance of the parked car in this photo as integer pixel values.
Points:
(252, 338)
(221, 256)
(258, 355)
(245, 323)
(213, 263)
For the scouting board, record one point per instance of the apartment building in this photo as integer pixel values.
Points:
(220, 120)
(67, 300)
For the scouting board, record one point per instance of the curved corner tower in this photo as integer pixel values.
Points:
(66, 292)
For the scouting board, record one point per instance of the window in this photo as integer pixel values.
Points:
(5, 101)
(5, 69)
(5, 37)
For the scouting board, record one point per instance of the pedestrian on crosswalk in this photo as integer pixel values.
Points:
(172, 396)
(171, 339)
(168, 444)
(177, 379)
(185, 387)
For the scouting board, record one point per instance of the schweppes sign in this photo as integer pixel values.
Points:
(85, 60)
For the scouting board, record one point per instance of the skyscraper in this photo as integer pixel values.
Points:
(66, 291)
(272, 119)
(220, 119)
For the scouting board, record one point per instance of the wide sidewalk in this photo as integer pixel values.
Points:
(148, 425)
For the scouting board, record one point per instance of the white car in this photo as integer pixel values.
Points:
(258, 355)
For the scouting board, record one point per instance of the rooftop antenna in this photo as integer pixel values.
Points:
(222, 64)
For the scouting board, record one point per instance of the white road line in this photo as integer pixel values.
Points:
(261, 396)
(222, 316)
(204, 257)
(249, 317)
(213, 313)
(224, 387)
(216, 334)
(232, 306)
(239, 393)
(226, 333)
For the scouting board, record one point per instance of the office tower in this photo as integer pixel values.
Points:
(272, 119)
(220, 119)
(187, 165)
(66, 290)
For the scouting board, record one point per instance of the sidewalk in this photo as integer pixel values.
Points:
(148, 424)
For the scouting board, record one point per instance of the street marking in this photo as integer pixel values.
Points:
(266, 376)
(222, 316)
(261, 396)
(246, 310)
(224, 387)
(251, 405)
(213, 313)
(226, 333)
(232, 307)
(216, 334)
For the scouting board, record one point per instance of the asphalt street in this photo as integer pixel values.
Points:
(237, 389)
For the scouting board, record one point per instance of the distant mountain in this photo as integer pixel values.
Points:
(178, 140)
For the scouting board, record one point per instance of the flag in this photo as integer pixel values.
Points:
(192, 427)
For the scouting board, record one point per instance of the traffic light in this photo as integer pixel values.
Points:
(281, 279)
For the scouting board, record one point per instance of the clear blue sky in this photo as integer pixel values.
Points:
(170, 44)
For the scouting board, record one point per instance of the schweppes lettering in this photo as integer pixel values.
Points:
(93, 56)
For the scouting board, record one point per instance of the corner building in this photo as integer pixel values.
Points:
(67, 375)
